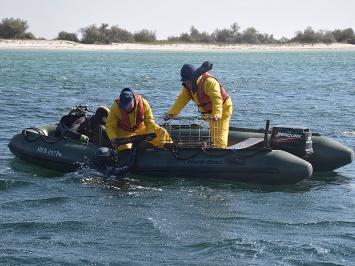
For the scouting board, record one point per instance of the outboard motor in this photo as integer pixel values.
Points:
(295, 140)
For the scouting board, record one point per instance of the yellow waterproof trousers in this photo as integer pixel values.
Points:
(219, 129)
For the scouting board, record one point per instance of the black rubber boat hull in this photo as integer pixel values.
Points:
(252, 165)
(249, 165)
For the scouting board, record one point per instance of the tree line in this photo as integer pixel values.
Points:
(11, 28)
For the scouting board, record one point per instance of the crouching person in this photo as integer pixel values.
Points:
(131, 115)
(79, 126)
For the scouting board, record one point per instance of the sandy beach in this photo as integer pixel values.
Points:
(67, 45)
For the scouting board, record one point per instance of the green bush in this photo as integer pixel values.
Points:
(343, 35)
(11, 28)
(66, 36)
(145, 36)
(105, 35)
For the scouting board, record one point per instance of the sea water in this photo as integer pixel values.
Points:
(76, 219)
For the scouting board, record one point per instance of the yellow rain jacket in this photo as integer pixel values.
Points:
(148, 126)
(212, 88)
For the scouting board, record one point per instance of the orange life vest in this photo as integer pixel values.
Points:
(205, 100)
(125, 122)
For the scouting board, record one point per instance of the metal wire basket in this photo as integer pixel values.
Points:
(190, 132)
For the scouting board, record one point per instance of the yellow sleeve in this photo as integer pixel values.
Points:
(111, 123)
(181, 101)
(148, 117)
(213, 90)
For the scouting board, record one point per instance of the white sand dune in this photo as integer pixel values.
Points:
(63, 45)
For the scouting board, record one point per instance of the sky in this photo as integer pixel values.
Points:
(282, 18)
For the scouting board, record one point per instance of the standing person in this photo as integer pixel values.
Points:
(85, 128)
(131, 115)
(211, 98)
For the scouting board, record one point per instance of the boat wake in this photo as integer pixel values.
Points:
(95, 178)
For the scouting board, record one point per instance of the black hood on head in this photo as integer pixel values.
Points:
(206, 66)
(101, 112)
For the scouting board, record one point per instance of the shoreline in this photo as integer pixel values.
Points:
(68, 45)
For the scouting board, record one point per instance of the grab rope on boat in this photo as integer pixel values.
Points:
(175, 152)
(41, 134)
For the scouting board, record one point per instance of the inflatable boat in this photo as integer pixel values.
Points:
(282, 156)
